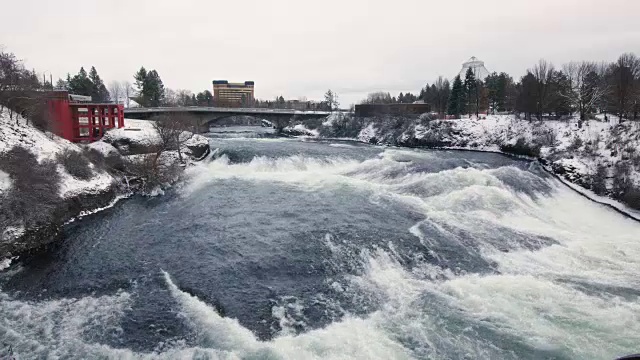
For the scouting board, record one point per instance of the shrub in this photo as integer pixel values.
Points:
(631, 197)
(575, 144)
(34, 194)
(346, 125)
(521, 147)
(76, 164)
(114, 162)
(110, 163)
(153, 171)
(544, 136)
(599, 180)
(621, 179)
(96, 157)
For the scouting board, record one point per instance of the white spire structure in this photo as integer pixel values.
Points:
(477, 66)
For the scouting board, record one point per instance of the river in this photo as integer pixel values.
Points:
(303, 249)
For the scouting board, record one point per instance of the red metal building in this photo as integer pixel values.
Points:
(78, 119)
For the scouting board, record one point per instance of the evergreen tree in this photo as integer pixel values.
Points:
(441, 91)
(208, 98)
(400, 98)
(153, 89)
(150, 88)
(80, 84)
(470, 91)
(140, 77)
(62, 84)
(560, 85)
(423, 93)
(331, 100)
(592, 92)
(194, 100)
(99, 91)
(456, 98)
(496, 92)
(527, 95)
(204, 98)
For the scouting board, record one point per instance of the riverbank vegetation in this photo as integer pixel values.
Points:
(582, 119)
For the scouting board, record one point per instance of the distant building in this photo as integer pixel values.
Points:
(478, 68)
(74, 117)
(78, 119)
(226, 94)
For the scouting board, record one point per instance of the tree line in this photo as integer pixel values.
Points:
(579, 87)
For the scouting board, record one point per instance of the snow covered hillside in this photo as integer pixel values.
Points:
(581, 146)
(44, 181)
(16, 132)
(603, 156)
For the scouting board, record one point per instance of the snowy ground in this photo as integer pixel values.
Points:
(565, 143)
(47, 146)
(143, 134)
(17, 132)
(5, 181)
(139, 131)
(104, 148)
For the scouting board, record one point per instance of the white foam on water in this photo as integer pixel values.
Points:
(54, 328)
(575, 298)
(350, 338)
(296, 169)
(345, 146)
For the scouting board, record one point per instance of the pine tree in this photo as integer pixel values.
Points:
(99, 91)
(153, 89)
(208, 98)
(331, 99)
(140, 77)
(497, 86)
(400, 98)
(62, 84)
(456, 98)
(150, 88)
(80, 84)
(470, 87)
(527, 95)
(560, 84)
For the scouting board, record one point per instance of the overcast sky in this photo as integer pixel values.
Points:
(302, 48)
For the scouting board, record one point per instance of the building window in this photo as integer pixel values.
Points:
(84, 132)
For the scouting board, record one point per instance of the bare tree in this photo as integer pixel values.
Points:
(170, 97)
(116, 90)
(127, 89)
(184, 97)
(173, 131)
(378, 97)
(587, 87)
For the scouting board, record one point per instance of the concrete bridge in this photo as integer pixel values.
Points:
(207, 116)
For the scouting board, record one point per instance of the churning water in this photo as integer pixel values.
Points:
(292, 249)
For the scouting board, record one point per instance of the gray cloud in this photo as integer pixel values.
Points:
(301, 48)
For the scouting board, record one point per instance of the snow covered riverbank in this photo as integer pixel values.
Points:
(38, 191)
(599, 156)
(46, 181)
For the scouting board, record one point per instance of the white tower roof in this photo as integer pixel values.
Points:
(477, 66)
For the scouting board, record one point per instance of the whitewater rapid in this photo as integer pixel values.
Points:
(498, 262)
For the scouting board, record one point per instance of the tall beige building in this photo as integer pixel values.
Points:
(226, 94)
